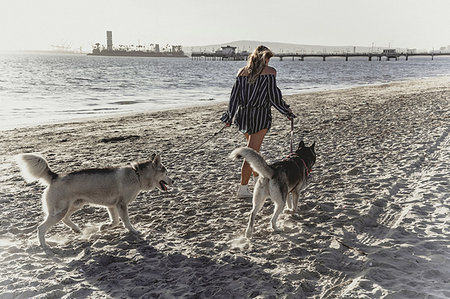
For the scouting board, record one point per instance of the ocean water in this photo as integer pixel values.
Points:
(46, 88)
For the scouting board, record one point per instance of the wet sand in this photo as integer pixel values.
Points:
(372, 223)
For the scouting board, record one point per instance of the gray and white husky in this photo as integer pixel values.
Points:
(113, 188)
(277, 180)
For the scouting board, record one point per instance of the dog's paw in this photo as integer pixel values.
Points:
(49, 251)
(136, 232)
(290, 211)
(108, 226)
(104, 227)
(276, 229)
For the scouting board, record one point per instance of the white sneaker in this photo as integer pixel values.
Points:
(244, 192)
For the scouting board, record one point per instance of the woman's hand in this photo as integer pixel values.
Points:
(291, 115)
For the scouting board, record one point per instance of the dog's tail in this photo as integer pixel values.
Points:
(255, 160)
(35, 167)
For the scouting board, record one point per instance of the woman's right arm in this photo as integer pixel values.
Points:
(227, 117)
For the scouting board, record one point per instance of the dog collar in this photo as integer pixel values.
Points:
(308, 170)
(292, 157)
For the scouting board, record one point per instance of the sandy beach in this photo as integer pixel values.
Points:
(373, 221)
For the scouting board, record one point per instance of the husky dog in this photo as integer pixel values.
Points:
(113, 188)
(277, 180)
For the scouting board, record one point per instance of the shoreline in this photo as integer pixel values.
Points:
(199, 105)
(372, 222)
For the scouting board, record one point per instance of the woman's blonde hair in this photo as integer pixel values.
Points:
(257, 61)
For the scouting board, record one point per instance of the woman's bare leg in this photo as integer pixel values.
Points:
(254, 141)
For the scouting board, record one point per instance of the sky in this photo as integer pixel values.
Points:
(39, 24)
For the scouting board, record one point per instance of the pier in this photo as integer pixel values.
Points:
(228, 53)
(225, 53)
(388, 55)
(214, 56)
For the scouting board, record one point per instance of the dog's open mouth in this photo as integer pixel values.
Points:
(163, 185)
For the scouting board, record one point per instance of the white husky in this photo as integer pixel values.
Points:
(113, 188)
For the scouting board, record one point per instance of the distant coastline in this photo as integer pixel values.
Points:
(178, 54)
(241, 46)
(152, 50)
(43, 52)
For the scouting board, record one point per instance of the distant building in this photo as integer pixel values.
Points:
(228, 51)
(225, 53)
(109, 43)
(137, 51)
(177, 48)
(389, 52)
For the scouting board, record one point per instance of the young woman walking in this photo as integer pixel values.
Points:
(254, 93)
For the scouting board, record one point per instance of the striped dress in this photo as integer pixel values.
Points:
(250, 104)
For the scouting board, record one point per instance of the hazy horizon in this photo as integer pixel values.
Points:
(44, 24)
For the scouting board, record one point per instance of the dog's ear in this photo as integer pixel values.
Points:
(156, 160)
(313, 145)
(301, 145)
(153, 156)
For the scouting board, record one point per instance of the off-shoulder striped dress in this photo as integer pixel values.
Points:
(250, 104)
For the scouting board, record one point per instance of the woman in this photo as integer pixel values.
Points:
(252, 96)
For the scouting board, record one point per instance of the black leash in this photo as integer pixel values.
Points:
(292, 135)
(201, 144)
(223, 128)
(208, 139)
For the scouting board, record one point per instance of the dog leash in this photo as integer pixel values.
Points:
(208, 139)
(201, 144)
(292, 135)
